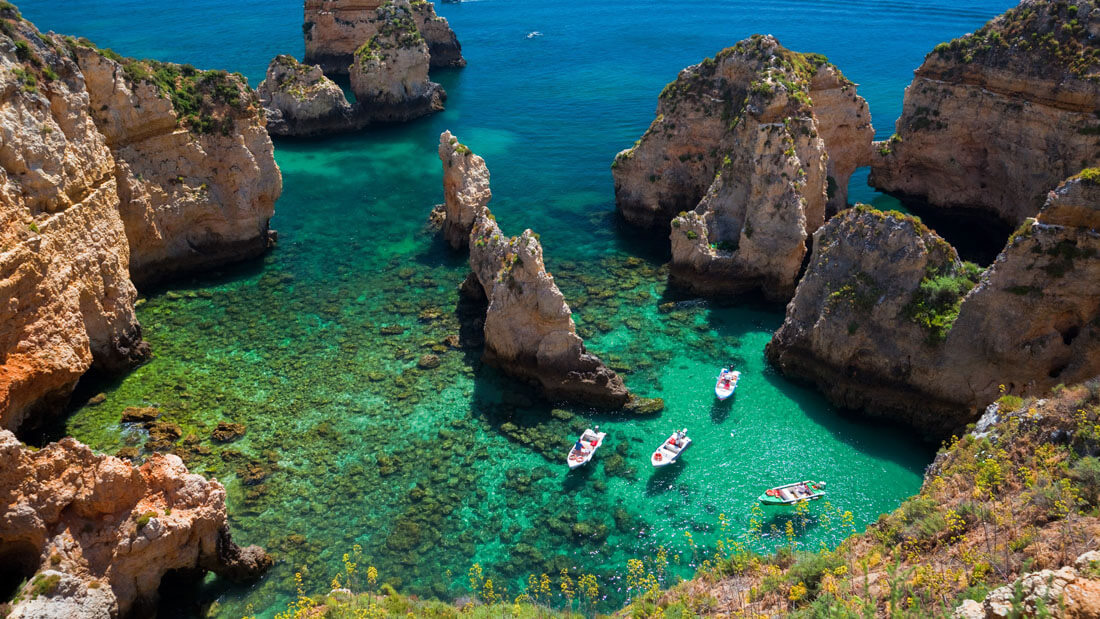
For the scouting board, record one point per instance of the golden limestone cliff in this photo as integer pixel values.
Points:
(994, 119)
(751, 148)
(114, 171)
(888, 319)
(95, 534)
(335, 29)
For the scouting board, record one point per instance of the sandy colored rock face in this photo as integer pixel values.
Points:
(389, 74)
(335, 29)
(92, 518)
(863, 323)
(994, 119)
(67, 297)
(104, 185)
(529, 330)
(738, 149)
(299, 100)
(465, 189)
(189, 198)
(698, 115)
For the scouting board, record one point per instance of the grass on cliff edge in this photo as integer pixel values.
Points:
(204, 101)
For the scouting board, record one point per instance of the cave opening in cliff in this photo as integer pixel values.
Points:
(978, 236)
(18, 562)
(185, 593)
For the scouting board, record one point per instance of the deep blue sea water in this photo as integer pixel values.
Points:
(433, 471)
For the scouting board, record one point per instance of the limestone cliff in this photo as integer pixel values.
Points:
(195, 166)
(702, 117)
(756, 142)
(529, 330)
(335, 29)
(113, 170)
(994, 119)
(68, 303)
(299, 100)
(887, 319)
(98, 533)
(466, 190)
(389, 73)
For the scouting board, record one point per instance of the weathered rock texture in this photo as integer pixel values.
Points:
(107, 529)
(529, 330)
(1071, 592)
(299, 100)
(465, 189)
(335, 29)
(742, 141)
(389, 73)
(197, 184)
(105, 182)
(996, 118)
(714, 111)
(887, 319)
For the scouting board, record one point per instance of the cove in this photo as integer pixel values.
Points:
(315, 347)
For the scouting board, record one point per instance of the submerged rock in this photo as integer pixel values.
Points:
(299, 100)
(227, 432)
(750, 147)
(389, 72)
(994, 119)
(529, 329)
(335, 29)
(101, 533)
(465, 189)
(887, 319)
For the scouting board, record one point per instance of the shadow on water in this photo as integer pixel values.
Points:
(720, 409)
(874, 437)
(662, 479)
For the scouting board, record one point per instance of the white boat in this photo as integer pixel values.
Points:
(671, 449)
(589, 442)
(727, 383)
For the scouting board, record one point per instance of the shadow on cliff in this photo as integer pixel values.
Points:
(978, 236)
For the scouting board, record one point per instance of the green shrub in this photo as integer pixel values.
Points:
(44, 585)
(1086, 472)
(1009, 403)
(935, 304)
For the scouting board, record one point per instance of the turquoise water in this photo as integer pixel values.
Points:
(348, 442)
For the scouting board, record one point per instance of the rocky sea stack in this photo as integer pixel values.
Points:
(336, 29)
(94, 534)
(887, 318)
(122, 171)
(466, 191)
(996, 118)
(751, 148)
(299, 100)
(389, 73)
(529, 330)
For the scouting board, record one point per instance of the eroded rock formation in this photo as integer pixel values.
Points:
(389, 72)
(335, 29)
(197, 185)
(529, 330)
(299, 100)
(994, 119)
(466, 190)
(749, 147)
(104, 181)
(105, 532)
(888, 319)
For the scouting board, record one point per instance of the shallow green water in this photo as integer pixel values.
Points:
(432, 470)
